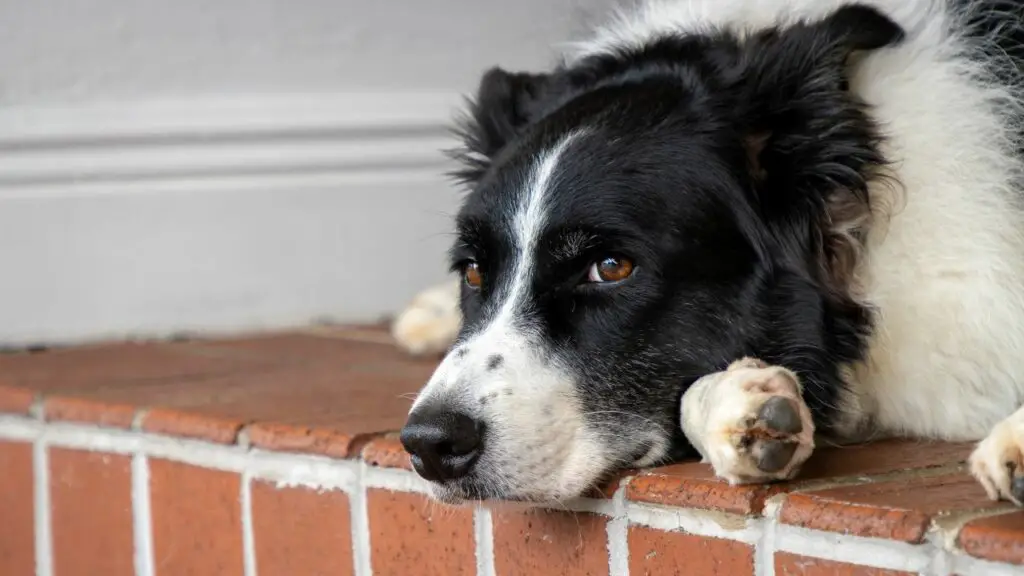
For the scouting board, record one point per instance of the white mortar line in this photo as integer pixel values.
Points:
(314, 472)
(764, 550)
(964, 565)
(43, 534)
(618, 533)
(483, 533)
(248, 542)
(601, 506)
(360, 521)
(19, 429)
(393, 479)
(310, 471)
(872, 552)
(142, 517)
(354, 478)
(942, 560)
(705, 523)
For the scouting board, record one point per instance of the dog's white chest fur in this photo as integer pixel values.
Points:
(944, 265)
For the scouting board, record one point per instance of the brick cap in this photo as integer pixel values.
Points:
(341, 392)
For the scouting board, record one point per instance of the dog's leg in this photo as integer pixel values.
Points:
(998, 460)
(749, 422)
(430, 324)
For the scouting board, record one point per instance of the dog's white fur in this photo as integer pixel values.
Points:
(944, 263)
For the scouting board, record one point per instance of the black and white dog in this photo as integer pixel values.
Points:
(730, 227)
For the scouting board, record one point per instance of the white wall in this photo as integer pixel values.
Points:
(184, 165)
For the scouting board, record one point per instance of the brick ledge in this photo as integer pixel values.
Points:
(370, 491)
(220, 458)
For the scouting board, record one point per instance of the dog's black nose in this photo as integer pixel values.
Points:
(444, 444)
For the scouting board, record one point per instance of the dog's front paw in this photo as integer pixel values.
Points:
(749, 422)
(430, 324)
(998, 460)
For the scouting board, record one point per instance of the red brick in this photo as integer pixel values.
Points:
(787, 564)
(299, 438)
(302, 347)
(658, 553)
(549, 542)
(408, 530)
(67, 409)
(301, 531)
(897, 510)
(116, 366)
(881, 457)
(997, 538)
(386, 452)
(694, 485)
(319, 393)
(15, 400)
(91, 513)
(17, 530)
(190, 425)
(196, 519)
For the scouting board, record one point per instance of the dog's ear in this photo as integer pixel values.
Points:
(810, 141)
(500, 109)
(858, 27)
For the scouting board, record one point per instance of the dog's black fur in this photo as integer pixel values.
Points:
(733, 173)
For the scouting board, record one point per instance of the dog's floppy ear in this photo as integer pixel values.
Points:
(494, 117)
(858, 27)
(810, 141)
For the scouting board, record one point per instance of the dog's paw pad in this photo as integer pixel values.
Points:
(773, 455)
(998, 460)
(770, 439)
(760, 428)
(1017, 488)
(780, 414)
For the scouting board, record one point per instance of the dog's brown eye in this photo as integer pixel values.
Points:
(471, 274)
(610, 269)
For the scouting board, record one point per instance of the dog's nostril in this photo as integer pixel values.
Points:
(443, 444)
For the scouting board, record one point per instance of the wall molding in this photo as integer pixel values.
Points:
(244, 136)
(216, 215)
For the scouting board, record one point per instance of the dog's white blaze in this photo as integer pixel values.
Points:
(530, 405)
(527, 226)
(512, 293)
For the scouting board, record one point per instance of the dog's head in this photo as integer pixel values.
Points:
(638, 219)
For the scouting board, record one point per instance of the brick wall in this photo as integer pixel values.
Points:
(272, 456)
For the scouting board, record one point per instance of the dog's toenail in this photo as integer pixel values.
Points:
(779, 414)
(775, 455)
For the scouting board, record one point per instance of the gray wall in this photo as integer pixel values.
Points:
(74, 50)
(238, 164)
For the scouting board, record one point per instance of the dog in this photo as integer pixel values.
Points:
(733, 229)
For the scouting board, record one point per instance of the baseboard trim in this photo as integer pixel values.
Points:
(246, 136)
(147, 219)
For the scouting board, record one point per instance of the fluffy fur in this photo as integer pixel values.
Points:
(831, 188)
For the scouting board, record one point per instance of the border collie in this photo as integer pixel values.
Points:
(733, 228)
